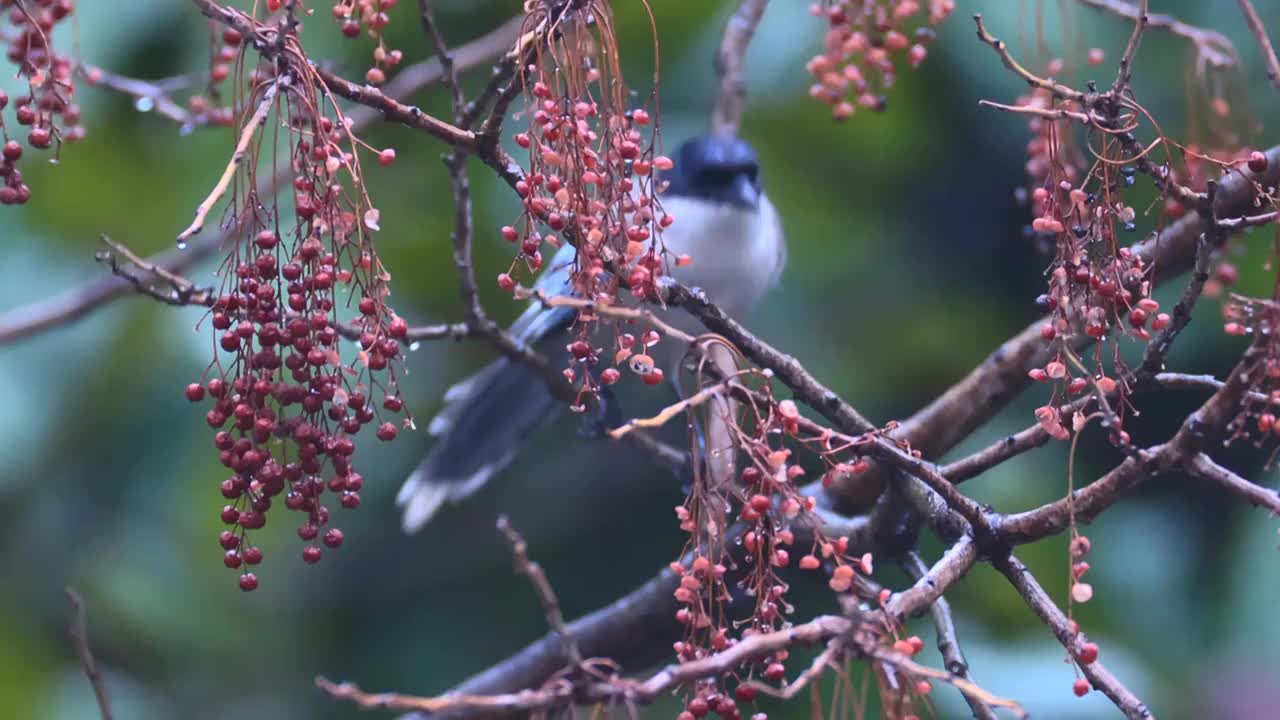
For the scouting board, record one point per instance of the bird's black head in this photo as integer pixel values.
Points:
(717, 169)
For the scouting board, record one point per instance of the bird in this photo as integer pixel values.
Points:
(724, 221)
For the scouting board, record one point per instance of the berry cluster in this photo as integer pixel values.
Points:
(1257, 418)
(1095, 284)
(226, 47)
(46, 108)
(1051, 153)
(592, 179)
(864, 45)
(767, 501)
(371, 16)
(286, 403)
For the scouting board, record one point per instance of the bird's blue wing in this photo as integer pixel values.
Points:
(489, 416)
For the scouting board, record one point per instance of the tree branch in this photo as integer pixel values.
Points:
(1264, 42)
(1214, 47)
(1048, 612)
(541, 585)
(1204, 468)
(33, 318)
(726, 118)
(1092, 499)
(945, 628)
(80, 634)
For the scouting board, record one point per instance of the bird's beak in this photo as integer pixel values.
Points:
(746, 191)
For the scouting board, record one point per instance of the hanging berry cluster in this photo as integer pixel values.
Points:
(46, 108)
(1256, 419)
(767, 502)
(227, 48)
(591, 177)
(287, 403)
(1096, 286)
(372, 17)
(864, 49)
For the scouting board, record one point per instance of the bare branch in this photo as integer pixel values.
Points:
(932, 582)
(1056, 88)
(1048, 612)
(726, 117)
(1093, 499)
(541, 585)
(1214, 47)
(945, 628)
(237, 156)
(156, 92)
(789, 370)
(1203, 467)
(1214, 237)
(1264, 42)
(1130, 50)
(80, 634)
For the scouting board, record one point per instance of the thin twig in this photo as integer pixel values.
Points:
(179, 292)
(945, 628)
(237, 157)
(1203, 467)
(1264, 42)
(157, 92)
(1125, 70)
(674, 409)
(1216, 48)
(1153, 358)
(80, 634)
(450, 74)
(546, 595)
(1055, 113)
(1056, 88)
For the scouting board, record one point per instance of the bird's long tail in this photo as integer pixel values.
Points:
(486, 419)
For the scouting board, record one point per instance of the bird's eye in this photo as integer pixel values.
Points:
(725, 176)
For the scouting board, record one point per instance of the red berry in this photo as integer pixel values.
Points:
(333, 538)
(231, 559)
(311, 554)
(387, 431)
(248, 582)
(40, 138)
(745, 693)
(1257, 162)
(1137, 317)
(12, 150)
(1088, 653)
(506, 282)
(253, 555)
(386, 157)
(195, 392)
(1080, 687)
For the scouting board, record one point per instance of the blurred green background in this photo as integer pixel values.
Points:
(907, 267)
